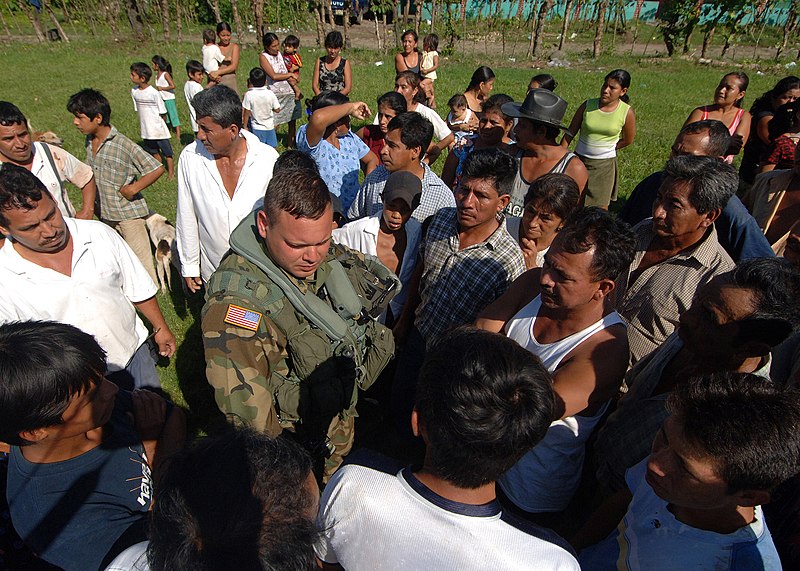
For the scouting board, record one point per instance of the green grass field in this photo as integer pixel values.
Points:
(40, 78)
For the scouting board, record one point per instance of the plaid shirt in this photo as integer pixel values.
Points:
(118, 162)
(781, 153)
(458, 283)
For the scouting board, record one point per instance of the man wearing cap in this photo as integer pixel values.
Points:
(467, 260)
(540, 119)
(391, 235)
(408, 136)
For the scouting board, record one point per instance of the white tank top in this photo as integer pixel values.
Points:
(545, 479)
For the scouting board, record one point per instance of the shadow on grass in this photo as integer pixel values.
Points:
(190, 367)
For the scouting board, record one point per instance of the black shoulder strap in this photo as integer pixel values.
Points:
(62, 198)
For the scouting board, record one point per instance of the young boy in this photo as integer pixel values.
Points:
(122, 170)
(258, 108)
(148, 104)
(195, 71)
(84, 454)
(212, 55)
(482, 401)
(695, 502)
(293, 61)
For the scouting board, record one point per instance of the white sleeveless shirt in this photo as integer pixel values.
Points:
(546, 477)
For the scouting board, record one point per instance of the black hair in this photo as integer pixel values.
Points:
(294, 159)
(545, 81)
(224, 27)
(775, 285)
(209, 36)
(483, 74)
(415, 130)
(221, 103)
(235, 500)
(297, 191)
(713, 182)
(334, 39)
(411, 33)
(162, 63)
(744, 424)
(495, 103)
(557, 192)
(258, 77)
(432, 40)
(491, 164)
(91, 103)
(11, 115)
(327, 99)
(19, 188)
(623, 78)
(43, 365)
(764, 102)
(744, 81)
(482, 402)
(457, 99)
(267, 39)
(292, 41)
(142, 70)
(550, 132)
(193, 66)
(393, 101)
(413, 79)
(719, 138)
(786, 120)
(613, 241)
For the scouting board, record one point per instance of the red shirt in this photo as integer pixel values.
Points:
(373, 137)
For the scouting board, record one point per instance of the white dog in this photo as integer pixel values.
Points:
(162, 235)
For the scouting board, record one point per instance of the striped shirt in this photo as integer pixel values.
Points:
(458, 283)
(119, 161)
(653, 303)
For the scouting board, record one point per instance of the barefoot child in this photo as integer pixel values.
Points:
(212, 55)
(152, 115)
(195, 72)
(166, 88)
(291, 56)
(428, 67)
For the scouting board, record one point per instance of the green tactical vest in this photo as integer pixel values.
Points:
(332, 351)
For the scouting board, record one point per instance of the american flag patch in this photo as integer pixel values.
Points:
(241, 317)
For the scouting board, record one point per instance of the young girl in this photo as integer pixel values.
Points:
(429, 65)
(605, 124)
(166, 88)
(390, 105)
(333, 73)
(461, 120)
(727, 107)
(406, 83)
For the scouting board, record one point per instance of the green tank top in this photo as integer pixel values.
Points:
(601, 130)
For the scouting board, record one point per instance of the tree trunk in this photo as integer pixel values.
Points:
(258, 15)
(692, 21)
(135, 19)
(178, 24)
(378, 38)
(215, 8)
(406, 10)
(164, 4)
(544, 9)
(397, 29)
(597, 47)
(348, 7)
(789, 28)
(533, 22)
(418, 14)
(638, 10)
(61, 32)
(462, 17)
(565, 25)
(329, 13)
(5, 26)
(707, 41)
(319, 22)
(520, 10)
(33, 16)
(238, 28)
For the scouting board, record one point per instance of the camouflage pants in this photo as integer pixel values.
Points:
(341, 433)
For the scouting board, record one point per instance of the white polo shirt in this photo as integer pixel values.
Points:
(68, 168)
(206, 214)
(107, 278)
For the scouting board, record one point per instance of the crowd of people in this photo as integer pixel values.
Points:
(554, 386)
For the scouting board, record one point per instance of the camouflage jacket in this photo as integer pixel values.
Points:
(268, 364)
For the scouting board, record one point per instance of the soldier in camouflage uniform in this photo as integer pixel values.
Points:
(289, 324)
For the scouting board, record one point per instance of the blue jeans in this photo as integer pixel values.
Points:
(268, 137)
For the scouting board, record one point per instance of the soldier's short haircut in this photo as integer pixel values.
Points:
(299, 192)
(221, 104)
(482, 402)
(43, 365)
(236, 500)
